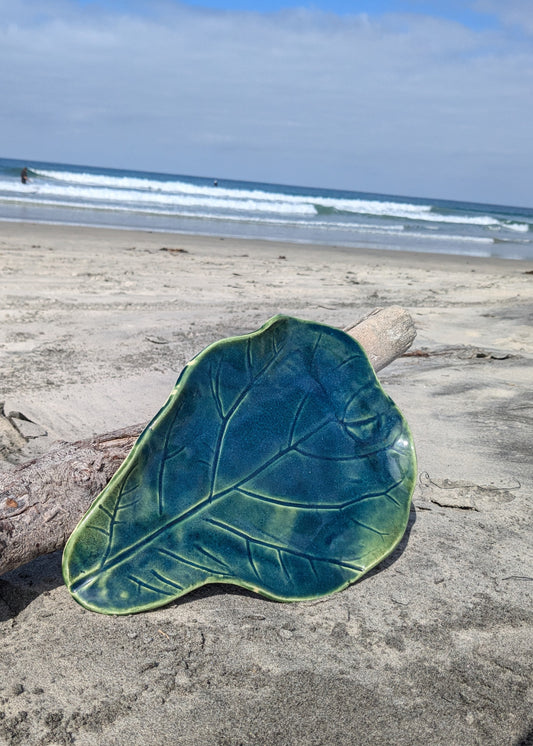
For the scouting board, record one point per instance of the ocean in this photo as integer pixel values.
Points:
(85, 195)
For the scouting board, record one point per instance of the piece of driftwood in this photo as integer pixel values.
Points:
(42, 501)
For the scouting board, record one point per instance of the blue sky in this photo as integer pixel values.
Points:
(450, 9)
(473, 15)
(410, 98)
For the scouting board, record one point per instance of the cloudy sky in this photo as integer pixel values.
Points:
(404, 97)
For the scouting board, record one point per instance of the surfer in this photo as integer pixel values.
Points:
(24, 175)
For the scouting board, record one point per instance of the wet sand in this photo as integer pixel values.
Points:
(432, 647)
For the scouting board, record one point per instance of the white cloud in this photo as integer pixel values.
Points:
(405, 104)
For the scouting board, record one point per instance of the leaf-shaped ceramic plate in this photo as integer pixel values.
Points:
(278, 464)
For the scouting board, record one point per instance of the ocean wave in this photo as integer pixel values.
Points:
(179, 189)
(233, 211)
(282, 220)
(113, 182)
(113, 199)
(172, 186)
(352, 228)
(177, 192)
(412, 212)
(520, 227)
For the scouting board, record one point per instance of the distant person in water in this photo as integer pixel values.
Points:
(24, 175)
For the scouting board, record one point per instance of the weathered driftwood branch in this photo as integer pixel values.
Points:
(384, 333)
(42, 501)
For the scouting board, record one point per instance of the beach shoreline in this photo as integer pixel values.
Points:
(96, 196)
(433, 647)
(13, 227)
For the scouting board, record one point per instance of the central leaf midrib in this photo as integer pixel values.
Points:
(198, 507)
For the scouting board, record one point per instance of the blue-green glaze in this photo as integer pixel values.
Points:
(278, 464)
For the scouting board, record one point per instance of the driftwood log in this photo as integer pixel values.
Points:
(42, 501)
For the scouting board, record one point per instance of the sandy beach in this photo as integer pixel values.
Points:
(433, 647)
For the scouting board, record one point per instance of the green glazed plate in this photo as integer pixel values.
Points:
(278, 464)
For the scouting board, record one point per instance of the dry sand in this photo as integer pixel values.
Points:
(433, 647)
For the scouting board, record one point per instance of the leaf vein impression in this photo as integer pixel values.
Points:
(299, 411)
(369, 528)
(319, 506)
(278, 548)
(215, 392)
(204, 551)
(357, 395)
(226, 419)
(163, 462)
(185, 561)
(142, 584)
(251, 559)
(113, 517)
(98, 528)
(166, 580)
(282, 564)
(125, 506)
(356, 356)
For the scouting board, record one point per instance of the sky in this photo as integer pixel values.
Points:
(407, 97)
